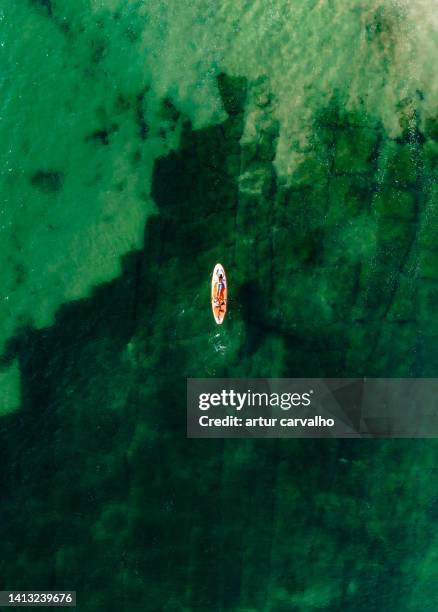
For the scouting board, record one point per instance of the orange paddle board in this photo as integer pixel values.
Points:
(219, 296)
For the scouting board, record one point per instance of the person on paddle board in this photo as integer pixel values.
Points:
(220, 290)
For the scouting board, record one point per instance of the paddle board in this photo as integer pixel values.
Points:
(219, 305)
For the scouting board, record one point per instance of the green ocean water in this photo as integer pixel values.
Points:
(297, 143)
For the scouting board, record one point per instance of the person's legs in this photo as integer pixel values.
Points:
(221, 296)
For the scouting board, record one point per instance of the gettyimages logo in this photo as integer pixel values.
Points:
(312, 407)
(230, 398)
(257, 410)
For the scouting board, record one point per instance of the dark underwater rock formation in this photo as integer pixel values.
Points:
(49, 181)
(45, 4)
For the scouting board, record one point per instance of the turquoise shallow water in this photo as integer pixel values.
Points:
(305, 135)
